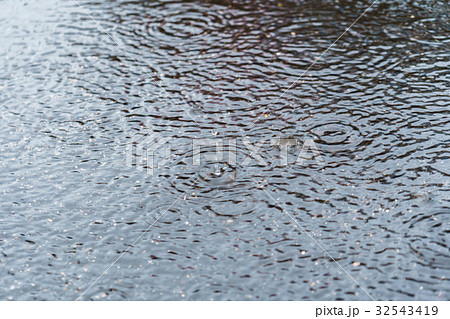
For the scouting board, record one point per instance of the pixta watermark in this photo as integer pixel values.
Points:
(151, 151)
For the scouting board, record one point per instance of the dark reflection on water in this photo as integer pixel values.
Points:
(377, 107)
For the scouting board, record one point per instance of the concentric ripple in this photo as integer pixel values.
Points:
(185, 22)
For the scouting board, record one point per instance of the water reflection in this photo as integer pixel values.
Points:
(376, 107)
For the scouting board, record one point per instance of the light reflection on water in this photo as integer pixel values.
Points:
(377, 107)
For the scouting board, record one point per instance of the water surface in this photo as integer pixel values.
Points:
(376, 105)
